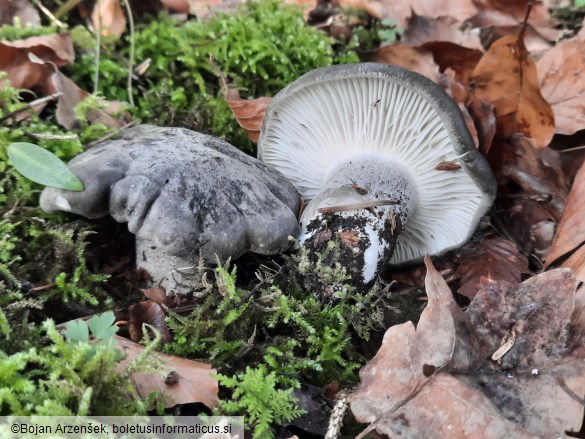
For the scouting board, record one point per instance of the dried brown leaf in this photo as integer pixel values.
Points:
(182, 6)
(21, 9)
(496, 14)
(506, 77)
(570, 232)
(150, 313)
(405, 56)
(492, 258)
(425, 29)
(400, 395)
(192, 380)
(484, 116)
(157, 295)
(452, 56)
(561, 73)
(576, 262)
(109, 18)
(22, 73)
(248, 112)
(401, 10)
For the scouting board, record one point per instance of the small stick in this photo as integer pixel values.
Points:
(49, 14)
(44, 136)
(32, 104)
(110, 135)
(356, 206)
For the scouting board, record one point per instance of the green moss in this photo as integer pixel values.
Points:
(11, 32)
(260, 49)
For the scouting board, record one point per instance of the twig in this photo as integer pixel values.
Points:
(66, 7)
(355, 206)
(45, 136)
(96, 75)
(577, 148)
(49, 14)
(337, 415)
(110, 135)
(31, 105)
(131, 61)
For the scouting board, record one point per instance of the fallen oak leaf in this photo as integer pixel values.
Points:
(570, 233)
(21, 71)
(248, 112)
(150, 313)
(506, 77)
(193, 381)
(399, 399)
(561, 73)
(493, 258)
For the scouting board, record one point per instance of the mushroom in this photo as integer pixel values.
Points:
(386, 160)
(183, 194)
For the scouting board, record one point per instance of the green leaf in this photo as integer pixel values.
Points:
(42, 166)
(77, 330)
(102, 326)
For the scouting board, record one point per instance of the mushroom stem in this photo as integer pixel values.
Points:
(368, 233)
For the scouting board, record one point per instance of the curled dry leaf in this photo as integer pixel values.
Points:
(109, 18)
(538, 172)
(248, 112)
(493, 258)
(56, 82)
(534, 42)
(411, 58)
(406, 390)
(570, 233)
(22, 72)
(499, 13)
(188, 381)
(150, 313)
(424, 29)
(484, 116)
(453, 56)
(506, 77)
(561, 73)
(576, 262)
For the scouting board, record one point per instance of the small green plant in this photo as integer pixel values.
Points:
(67, 378)
(78, 285)
(256, 393)
(260, 48)
(42, 166)
(102, 328)
(389, 30)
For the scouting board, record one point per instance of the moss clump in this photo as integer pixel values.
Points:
(260, 48)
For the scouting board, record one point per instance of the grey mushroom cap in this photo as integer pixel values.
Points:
(331, 115)
(183, 194)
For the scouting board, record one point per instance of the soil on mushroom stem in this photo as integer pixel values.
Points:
(351, 241)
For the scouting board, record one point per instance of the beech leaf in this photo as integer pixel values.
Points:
(42, 166)
(507, 78)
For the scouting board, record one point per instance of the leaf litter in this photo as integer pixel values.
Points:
(511, 364)
(439, 380)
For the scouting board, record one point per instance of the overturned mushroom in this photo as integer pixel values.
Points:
(183, 194)
(367, 144)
